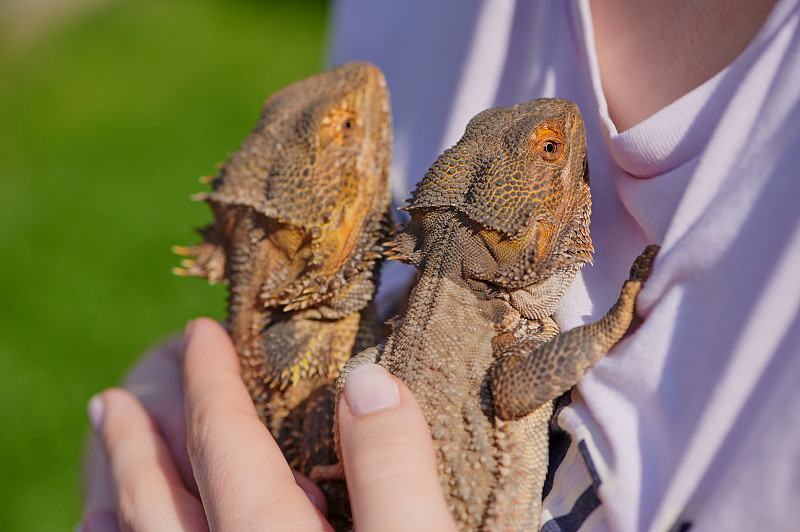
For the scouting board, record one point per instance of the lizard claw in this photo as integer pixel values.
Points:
(643, 264)
(208, 262)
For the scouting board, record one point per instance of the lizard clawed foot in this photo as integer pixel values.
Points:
(643, 264)
(528, 375)
(203, 260)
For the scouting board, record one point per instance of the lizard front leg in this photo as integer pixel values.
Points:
(526, 376)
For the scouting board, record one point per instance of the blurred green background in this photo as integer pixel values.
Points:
(109, 112)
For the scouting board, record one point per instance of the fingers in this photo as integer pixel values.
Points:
(388, 456)
(99, 492)
(156, 382)
(241, 474)
(99, 521)
(150, 493)
(313, 491)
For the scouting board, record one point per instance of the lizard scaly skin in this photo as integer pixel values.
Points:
(300, 214)
(499, 228)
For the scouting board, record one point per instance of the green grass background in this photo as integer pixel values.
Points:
(106, 122)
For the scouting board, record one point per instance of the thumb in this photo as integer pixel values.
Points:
(388, 456)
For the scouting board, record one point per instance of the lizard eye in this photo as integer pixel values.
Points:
(347, 125)
(342, 126)
(549, 145)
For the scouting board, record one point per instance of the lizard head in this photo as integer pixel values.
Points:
(519, 180)
(310, 178)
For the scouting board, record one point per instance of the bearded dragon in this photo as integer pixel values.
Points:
(498, 229)
(300, 215)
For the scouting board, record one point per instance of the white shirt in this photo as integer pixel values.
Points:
(695, 418)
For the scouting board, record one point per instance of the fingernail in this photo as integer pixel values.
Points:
(187, 333)
(370, 388)
(96, 411)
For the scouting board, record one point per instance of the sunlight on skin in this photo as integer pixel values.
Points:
(651, 52)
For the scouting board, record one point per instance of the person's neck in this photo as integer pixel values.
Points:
(652, 52)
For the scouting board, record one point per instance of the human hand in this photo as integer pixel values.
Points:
(241, 478)
(156, 383)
